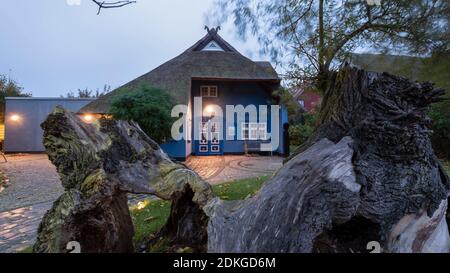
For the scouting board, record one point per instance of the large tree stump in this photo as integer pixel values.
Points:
(367, 174)
(98, 164)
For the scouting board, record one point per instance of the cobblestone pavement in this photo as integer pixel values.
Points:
(34, 185)
(18, 227)
(218, 169)
(32, 180)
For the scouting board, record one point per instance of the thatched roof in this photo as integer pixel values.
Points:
(175, 76)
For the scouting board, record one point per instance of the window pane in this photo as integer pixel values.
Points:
(253, 131)
(244, 131)
(204, 91)
(262, 131)
(213, 91)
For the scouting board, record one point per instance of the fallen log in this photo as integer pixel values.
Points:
(99, 164)
(367, 174)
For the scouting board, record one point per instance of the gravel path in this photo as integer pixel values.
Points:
(34, 185)
(32, 180)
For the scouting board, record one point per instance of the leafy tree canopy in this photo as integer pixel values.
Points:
(312, 37)
(87, 93)
(149, 107)
(9, 88)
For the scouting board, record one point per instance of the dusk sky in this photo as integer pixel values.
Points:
(50, 47)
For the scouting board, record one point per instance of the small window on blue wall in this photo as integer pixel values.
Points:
(208, 91)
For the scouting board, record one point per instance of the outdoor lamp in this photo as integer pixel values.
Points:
(88, 118)
(210, 110)
(15, 117)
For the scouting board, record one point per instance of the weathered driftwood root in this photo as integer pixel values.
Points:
(98, 164)
(368, 174)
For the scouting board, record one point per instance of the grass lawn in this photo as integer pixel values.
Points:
(446, 165)
(149, 216)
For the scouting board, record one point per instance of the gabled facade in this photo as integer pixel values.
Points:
(208, 78)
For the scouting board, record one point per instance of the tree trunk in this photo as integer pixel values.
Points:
(98, 164)
(367, 174)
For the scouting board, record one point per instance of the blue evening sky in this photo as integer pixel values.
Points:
(51, 47)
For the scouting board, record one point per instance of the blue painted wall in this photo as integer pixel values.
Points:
(235, 93)
(229, 93)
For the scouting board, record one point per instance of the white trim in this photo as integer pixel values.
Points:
(203, 148)
(253, 131)
(215, 148)
(212, 46)
(244, 127)
(209, 88)
(256, 131)
(262, 131)
(215, 140)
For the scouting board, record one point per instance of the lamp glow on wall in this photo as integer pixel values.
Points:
(209, 110)
(88, 118)
(14, 118)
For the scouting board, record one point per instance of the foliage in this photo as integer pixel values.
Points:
(293, 108)
(437, 70)
(154, 214)
(9, 88)
(299, 133)
(440, 114)
(311, 37)
(149, 107)
(87, 93)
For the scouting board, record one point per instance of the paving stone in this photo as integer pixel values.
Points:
(35, 186)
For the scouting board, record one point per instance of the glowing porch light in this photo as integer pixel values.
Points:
(209, 109)
(88, 118)
(15, 117)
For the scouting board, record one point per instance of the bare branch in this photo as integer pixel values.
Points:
(109, 5)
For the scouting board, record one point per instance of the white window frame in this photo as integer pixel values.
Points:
(262, 131)
(204, 130)
(256, 131)
(209, 87)
(215, 137)
(253, 131)
(245, 127)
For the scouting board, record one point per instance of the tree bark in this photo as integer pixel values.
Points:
(367, 174)
(98, 164)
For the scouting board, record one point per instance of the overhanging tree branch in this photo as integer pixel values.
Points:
(107, 5)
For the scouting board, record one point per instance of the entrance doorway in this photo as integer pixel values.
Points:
(210, 142)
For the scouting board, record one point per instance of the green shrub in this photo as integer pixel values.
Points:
(149, 107)
(440, 114)
(299, 133)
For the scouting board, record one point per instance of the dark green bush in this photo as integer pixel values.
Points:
(149, 107)
(299, 133)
